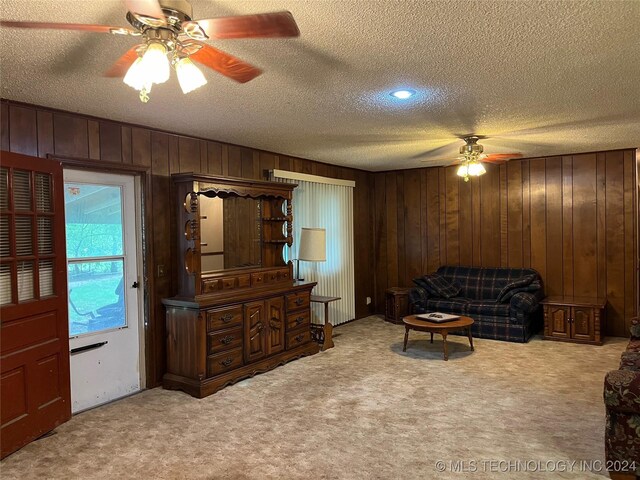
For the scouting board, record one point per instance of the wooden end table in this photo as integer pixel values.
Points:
(396, 304)
(574, 319)
(412, 322)
(327, 341)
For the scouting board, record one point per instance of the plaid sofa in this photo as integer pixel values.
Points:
(622, 402)
(514, 320)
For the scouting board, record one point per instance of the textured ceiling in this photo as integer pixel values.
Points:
(535, 77)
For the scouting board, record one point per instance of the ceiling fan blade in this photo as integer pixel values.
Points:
(500, 157)
(265, 25)
(119, 69)
(69, 26)
(225, 64)
(148, 8)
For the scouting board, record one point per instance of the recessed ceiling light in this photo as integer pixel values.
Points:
(403, 94)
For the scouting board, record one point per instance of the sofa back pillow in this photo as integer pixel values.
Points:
(438, 286)
(526, 283)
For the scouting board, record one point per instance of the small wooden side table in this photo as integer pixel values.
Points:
(327, 329)
(396, 304)
(574, 319)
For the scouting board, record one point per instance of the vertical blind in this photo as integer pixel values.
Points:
(319, 202)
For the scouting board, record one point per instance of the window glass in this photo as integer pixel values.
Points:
(93, 215)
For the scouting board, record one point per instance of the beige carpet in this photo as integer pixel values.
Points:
(364, 409)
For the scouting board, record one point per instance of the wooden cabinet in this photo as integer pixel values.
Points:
(396, 304)
(229, 324)
(212, 346)
(574, 319)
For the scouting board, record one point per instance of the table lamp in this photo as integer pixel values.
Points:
(313, 247)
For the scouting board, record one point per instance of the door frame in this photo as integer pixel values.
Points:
(153, 356)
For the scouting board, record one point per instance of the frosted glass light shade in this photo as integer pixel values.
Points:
(476, 169)
(462, 170)
(137, 77)
(313, 245)
(155, 63)
(189, 76)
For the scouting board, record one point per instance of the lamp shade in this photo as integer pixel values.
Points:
(189, 76)
(313, 245)
(155, 63)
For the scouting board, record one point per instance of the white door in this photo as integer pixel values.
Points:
(103, 238)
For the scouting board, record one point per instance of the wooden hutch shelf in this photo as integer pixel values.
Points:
(244, 315)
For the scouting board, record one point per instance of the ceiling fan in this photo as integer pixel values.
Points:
(170, 36)
(472, 157)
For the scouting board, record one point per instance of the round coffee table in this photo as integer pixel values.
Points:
(412, 322)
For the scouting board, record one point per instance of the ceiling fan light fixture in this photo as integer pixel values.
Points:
(155, 63)
(476, 169)
(189, 76)
(136, 77)
(463, 171)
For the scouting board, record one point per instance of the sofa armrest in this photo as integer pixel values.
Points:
(525, 302)
(418, 297)
(635, 327)
(622, 391)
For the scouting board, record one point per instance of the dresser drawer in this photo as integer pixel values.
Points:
(297, 301)
(299, 337)
(298, 319)
(224, 340)
(285, 275)
(221, 318)
(225, 361)
(210, 285)
(237, 281)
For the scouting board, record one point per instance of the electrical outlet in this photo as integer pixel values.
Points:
(161, 271)
(368, 300)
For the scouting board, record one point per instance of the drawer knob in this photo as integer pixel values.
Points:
(299, 320)
(299, 338)
(299, 301)
(227, 340)
(226, 362)
(226, 318)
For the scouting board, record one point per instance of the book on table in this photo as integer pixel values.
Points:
(437, 317)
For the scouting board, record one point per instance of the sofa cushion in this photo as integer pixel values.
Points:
(482, 283)
(522, 284)
(456, 305)
(439, 286)
(478, 307)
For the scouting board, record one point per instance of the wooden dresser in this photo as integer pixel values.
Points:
(231, 323)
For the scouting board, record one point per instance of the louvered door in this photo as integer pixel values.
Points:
(34, 345)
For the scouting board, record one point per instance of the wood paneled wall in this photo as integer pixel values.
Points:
(572, 218)
(39, 131)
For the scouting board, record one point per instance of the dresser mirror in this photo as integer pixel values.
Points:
(231, 232)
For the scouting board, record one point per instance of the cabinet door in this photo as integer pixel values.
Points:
(558, 320)
(254, 331)
(275, 320)
(390, 307)
(582, 323)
